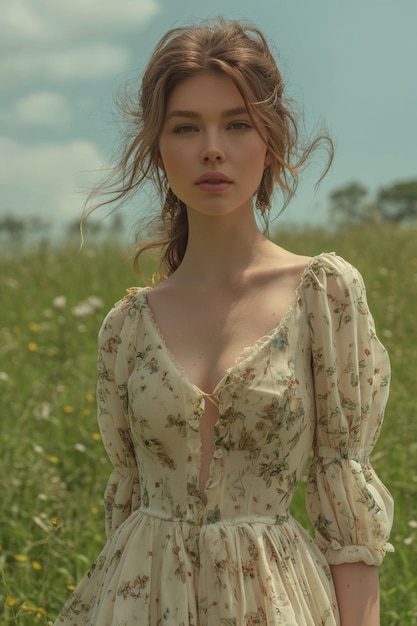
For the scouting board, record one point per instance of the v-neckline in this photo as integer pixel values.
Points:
(245, 354)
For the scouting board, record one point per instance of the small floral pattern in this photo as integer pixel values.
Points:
(318, 382)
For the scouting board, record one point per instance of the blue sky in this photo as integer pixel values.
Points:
(348, 64)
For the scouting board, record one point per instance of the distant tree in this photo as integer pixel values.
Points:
(91, 228)
(350, 205)
(19, 231)
(12, 229)
(37, 225)
(117, 224)
(398, 202)
(97, 229)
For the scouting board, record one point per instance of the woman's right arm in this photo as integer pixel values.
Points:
(122, 494)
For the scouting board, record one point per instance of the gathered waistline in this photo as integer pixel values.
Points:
(236, 521)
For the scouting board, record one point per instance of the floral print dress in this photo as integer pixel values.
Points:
(317, 383)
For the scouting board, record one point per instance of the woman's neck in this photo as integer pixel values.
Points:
(221, 248)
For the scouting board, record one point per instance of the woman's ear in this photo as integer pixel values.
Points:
(268, 159)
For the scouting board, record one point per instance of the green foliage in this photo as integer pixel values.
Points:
(399, 201)
(352, 205)
(53, 468)
(349, 205)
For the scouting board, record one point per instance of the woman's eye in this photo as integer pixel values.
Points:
(184, 128)
(240, 125)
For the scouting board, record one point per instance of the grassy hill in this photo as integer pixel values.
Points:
(52, 466)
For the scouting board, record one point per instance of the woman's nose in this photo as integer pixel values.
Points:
(213, 151)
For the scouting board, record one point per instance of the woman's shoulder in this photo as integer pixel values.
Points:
(331, 278)
(328, 267)
(124, 310)
(319, 268)
(331, 263)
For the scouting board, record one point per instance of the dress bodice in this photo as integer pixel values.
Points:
(262, 437)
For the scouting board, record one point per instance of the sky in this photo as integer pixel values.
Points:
(348, 64)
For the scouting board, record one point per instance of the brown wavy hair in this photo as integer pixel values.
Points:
(240, 51)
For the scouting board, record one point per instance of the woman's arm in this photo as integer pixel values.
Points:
(357, 592)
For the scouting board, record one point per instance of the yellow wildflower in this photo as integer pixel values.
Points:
(86, 412)
(52, 458)
(68, 409)
(35, 610)
(70, 587)
(36, 565)
(96, 436)
(55, 522)
(10, 601)
(21, 558)
(90, 397)
(34, 327)
(32, 346)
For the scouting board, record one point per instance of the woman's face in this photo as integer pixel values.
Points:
(210, 151)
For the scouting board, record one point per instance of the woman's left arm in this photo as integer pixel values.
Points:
(347, 503)
(357, 592)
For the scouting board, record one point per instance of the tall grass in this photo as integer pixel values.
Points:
(53, 468)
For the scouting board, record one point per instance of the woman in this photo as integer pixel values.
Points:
(215, 385)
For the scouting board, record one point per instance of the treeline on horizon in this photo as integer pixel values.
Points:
(348, 206)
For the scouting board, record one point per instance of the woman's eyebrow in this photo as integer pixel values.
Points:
(195, 115)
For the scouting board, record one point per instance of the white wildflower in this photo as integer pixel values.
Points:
(42, 411)
(87, 307)
(95, 302)
(82, 310)
(59, 302)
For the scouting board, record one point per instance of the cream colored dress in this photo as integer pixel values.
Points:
(318, 382)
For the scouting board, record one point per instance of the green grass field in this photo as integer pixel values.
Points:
(53, 467)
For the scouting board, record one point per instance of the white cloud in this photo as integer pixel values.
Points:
(68, 39)
(92, 61)
(52, 21)
(47, 180)
(41, 108)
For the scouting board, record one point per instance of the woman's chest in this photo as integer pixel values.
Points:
(205, 338)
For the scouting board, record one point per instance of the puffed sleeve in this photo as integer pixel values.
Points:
(350, 508)
(115, 361)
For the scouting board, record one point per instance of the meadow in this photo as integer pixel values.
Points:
(52, 465)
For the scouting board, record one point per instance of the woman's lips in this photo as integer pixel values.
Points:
(213, 181)
(214, 185)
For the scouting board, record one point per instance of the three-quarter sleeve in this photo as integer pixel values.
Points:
(115, 359)
(350, 508)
